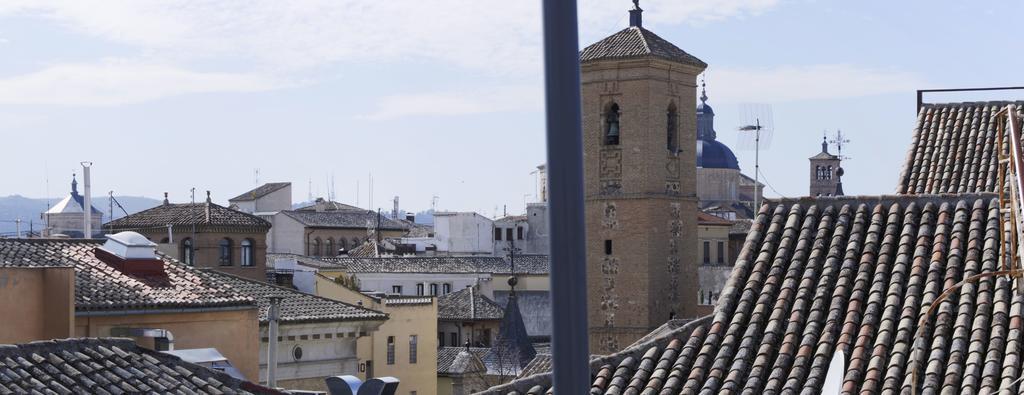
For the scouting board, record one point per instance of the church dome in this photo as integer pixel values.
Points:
(705, 108)
(712, 154)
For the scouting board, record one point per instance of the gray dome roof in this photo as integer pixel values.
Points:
(712, 154)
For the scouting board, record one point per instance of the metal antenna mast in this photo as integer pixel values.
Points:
(758, 119)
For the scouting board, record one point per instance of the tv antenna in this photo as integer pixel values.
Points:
(433, 203)
(756, 132)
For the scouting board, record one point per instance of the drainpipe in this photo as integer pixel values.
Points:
(273, 315)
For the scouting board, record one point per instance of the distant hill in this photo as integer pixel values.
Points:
(30, 210)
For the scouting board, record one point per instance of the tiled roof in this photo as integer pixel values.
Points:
(108, 366)
(260, 191)
(446, 356)
(708, 219)
(854, 274)
(953, 149)
(525, 264)
(539, 365)
(456, 306)
(99, 286)
(297, 307)
(636, 42)
(330, 205)
(345, 219)
(201, 214)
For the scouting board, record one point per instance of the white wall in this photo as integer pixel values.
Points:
(286, 236)
(278, 200)
(320, 357)
(463, 233)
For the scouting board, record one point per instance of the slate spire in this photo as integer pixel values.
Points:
(513, 343)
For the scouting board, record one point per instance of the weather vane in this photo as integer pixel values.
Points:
(636, 4)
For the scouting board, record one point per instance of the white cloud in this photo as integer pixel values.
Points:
(486, 35)
(794, 83)
(502, 99)
(117, 81)
(295, 39)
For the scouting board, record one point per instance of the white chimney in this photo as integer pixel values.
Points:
(87, 204)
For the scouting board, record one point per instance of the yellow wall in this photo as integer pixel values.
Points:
(39, 304)
(444, 386)
(403, 321)
(713, 234)
(525, 282)
(235, 333)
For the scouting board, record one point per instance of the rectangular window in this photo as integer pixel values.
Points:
(440, 339)
(413, 340)
(519, 233)
(720, 258)
(446, 288)
(508, 234)
(391, 350)
(455, 339)
(607, 247)
(419, 289)
(433, 289)
(497, 234)
(396, 289)
(707, 252)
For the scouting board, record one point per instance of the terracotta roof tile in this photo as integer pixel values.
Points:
(99, 286)
(468, 304)
(855, 274)
(120, 367)
(260, 191)
(953, 149)
(296, 306)
(637, 42)
(199, 214)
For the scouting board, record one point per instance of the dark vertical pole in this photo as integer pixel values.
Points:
(565, 185)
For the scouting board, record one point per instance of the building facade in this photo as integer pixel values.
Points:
(639, 124)
(328, 229)
(203, 235)
(124, 288)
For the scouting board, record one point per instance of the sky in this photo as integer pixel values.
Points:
(444, 98)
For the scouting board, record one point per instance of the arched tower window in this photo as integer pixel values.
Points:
(329, 247)
(247, 252)
(187, 252)
(817, 172)
(314, 249)
(828, 175)
(611, 128)
(342, 244)
(671, 129)
(225, 252)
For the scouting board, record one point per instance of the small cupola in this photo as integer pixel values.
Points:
(132, 254)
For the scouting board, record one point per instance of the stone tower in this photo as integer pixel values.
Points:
(826, 173)
(639, 126)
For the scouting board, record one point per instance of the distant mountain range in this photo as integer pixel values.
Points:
(30, 210)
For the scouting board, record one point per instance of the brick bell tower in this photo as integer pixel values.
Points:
(639, 126)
